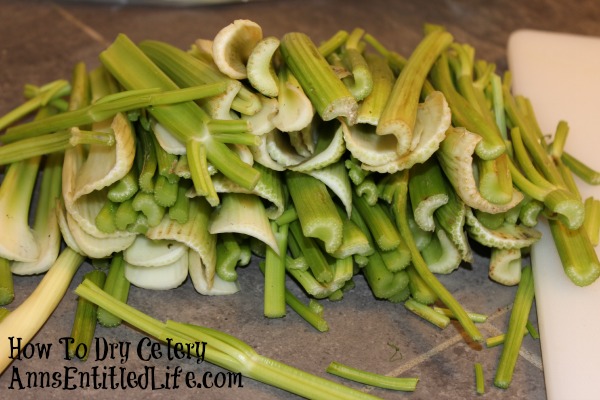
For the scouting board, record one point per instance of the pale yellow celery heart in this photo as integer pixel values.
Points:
(194, 233)
(144, 252)
(163, 277)
(335, 177)
(456, 159)
(245, 214)
(433, 120)
(197, 273)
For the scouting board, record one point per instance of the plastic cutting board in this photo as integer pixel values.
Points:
(560, 74)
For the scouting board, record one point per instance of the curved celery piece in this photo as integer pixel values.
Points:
(383, 283)
(244, 214)
(400, 113)
(203, 284)
(360, 82)
(432, 121)
(505, 237)
(125, 188)
(294, 109)
(578, 257)
(228, 255)
(149, 253)
(427, 193)
(456, 159)
(260, 69)
(326, 91)
(505, 266)
(163, 277)
(45, 227)
(441, 255)
(269, 188)
(335, 177)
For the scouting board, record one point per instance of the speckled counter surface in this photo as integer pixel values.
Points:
(41, 41)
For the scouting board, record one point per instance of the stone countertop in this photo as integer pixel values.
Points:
(41, 41)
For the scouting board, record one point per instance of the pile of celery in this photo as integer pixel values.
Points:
(324, 161)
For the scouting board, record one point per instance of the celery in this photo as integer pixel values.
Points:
(371, 108)
(372, 379)
(479, 381)
(400, 210)
(186, 70)
(591, 223)
(7, 288)
(28, 318)
(315, 258)
(186, 120)
(427, 193)
(418, 288)
(516, 326)
(274, 271)
(382, 228)
(326, 91)
(316, 210)
(117, 286)
(400, 113)
(228, 254)
(475, 317)
(225, 351)
(427, 313)
(42, 97)
(84, 324)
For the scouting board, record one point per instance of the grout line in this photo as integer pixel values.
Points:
(532, 358)
(88, 30)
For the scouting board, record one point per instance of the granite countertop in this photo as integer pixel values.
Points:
(42, 41)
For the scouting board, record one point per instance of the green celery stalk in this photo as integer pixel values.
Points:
(326, 91)
(372, 379)
(116, 285)
(84, 324)
(516, 327)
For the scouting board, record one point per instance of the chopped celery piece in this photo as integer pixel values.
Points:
(372, 379)
(7, 288)
(117, 286)
(316, 210)
(516, 327)
(427, 313)
(274, 271)
(84, 324)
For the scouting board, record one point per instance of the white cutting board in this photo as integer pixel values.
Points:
(560, 74)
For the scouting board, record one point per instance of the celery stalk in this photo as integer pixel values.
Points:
(516, 326)
(326, 91)
(84, 324)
